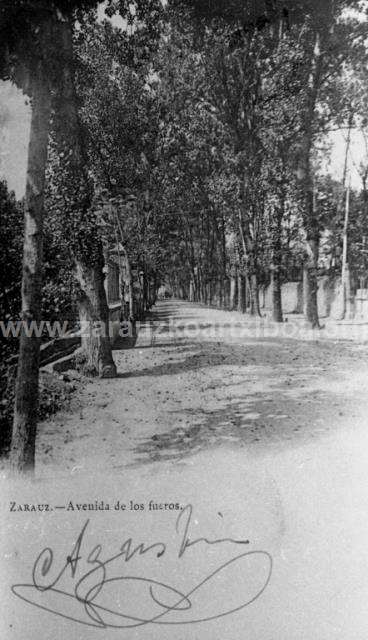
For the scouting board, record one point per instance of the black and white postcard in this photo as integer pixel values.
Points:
(184, 319)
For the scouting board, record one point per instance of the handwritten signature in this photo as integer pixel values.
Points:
(141, 600)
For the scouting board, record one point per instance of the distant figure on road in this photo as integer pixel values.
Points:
(164, 293)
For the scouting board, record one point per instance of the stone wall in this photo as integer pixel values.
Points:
(292, 297)
(361, 304)
(114, 319)
(329, 299)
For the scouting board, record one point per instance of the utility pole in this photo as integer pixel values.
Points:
(345, 275)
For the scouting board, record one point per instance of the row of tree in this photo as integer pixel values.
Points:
(250, 120)
(192, 139)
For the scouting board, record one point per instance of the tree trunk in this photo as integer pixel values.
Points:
(241, 293)
(129, 288)
(226, 301)
(94, 316)
(146, 295)
(276, 269)
(250, 257)
(310, 282)
(191, 291)
(85, 241)
(22, 457)
(233, 291)
(254, 294)
(219, 292)
(128, 274)
(276, 295)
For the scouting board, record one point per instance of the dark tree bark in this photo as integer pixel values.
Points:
(94, 317)
(250, 257)
(310, 279)
(127, 269)
(234, 293)
(22, 457)
(276, 295)
(242, 303)
(310, 282)
(191, 291)
(87, 247)
(276, 267)
(253, 288)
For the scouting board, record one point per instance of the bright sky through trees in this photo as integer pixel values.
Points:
(15, 122)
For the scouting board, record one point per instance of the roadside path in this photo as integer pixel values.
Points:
(194, 383)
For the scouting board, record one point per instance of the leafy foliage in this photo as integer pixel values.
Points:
(202, 126)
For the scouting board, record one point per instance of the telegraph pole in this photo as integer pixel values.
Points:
(345, 275)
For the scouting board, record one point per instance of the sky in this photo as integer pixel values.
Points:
(14, 133)
(357, 154)
(14, 137)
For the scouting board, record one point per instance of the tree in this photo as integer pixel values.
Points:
(244, 38)
(75, 206)
(29, 56)
(10, 288)
(36, 54)
(11, 242)
(26, 38)
(194, 175)
(119, 116)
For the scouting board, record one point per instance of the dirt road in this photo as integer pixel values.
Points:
(199, 379)
(265, 436)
